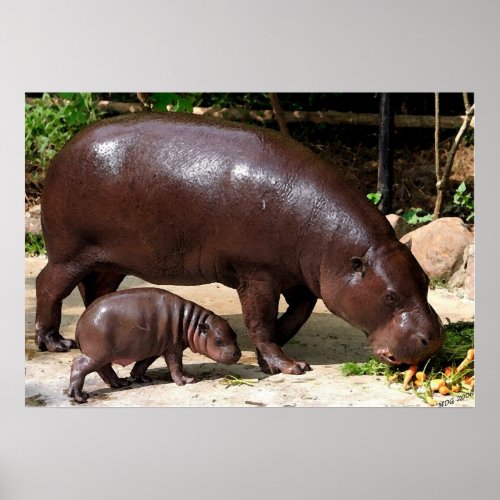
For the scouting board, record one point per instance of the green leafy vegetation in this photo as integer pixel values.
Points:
(459, 338)
(375, 198)
(50, 122)
(437, 283)
(370, 367)
(34, 244)
(416, 216)
(178, 103)
(464, 201)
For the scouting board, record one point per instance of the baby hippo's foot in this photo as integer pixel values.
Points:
(119, 383)
(139, 370)
(111, 378)
(141, 379)
(182, 379)
(79, 396)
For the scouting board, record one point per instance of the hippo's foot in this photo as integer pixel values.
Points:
(79, 396)
(273, 364)
(183, 379)
(142, 379)
(118, 383)
(54, 342)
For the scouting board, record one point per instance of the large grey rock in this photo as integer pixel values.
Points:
(439, 246)
(400, 226)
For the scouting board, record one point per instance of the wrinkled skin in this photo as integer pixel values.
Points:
(142, 324)
(178, 199)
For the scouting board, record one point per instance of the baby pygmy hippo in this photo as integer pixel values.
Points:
(141, 325)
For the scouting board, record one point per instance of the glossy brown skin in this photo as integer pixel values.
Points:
(142, 324)
(178, 199)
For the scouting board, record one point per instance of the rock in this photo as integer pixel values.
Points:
(464, 277)
(439, 246)
(470, 253)
(400, 226)
(32, 223)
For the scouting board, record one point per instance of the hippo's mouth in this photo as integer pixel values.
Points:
(387, 357)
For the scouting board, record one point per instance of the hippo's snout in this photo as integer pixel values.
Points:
(230, 355)
(410, 340)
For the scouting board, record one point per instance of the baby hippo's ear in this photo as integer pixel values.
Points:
(203, 327)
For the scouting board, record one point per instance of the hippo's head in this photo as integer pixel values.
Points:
(217, 340)
(384, 293)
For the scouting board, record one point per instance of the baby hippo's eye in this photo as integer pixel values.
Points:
(391, 298)
(219, 342)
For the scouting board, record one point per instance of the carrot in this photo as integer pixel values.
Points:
(418, 383)
(436, 384)
(409, 375)
(420, 376)
(444, 390)
(448, 371)
(467, 360)
(455, 388)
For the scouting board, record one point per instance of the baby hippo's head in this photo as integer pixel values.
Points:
(218, 340)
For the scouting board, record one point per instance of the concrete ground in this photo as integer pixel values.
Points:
(325, 342)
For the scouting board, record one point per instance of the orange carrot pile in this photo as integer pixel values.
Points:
(448, 382)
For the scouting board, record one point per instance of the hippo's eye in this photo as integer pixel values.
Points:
(219, 342)
(391, 298)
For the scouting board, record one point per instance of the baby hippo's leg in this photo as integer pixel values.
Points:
(80, 368)
(174, 363)
(111, 378)
(139, 370)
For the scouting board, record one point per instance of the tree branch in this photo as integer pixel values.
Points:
(278, 112)
(443, 184)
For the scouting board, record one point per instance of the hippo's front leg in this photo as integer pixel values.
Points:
(259, 297)
(174, 363)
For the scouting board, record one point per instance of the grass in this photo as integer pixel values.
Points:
(34, 244)
(231, 380)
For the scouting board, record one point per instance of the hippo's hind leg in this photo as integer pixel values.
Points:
(98, 283)
(138, 372)
(80, 368)
(111, 378)
(259, 298)
(53, 284)
(174, 362)
(301, 302)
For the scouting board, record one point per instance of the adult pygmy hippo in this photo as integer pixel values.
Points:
(179, 199)
(142, 324)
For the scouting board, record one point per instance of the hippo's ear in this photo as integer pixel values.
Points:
(358, 265)
(203, 327)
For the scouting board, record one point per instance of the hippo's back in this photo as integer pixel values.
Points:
(180, 199)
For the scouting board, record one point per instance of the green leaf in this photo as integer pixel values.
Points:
(162, 100)
(375, 198)
(67, 95)
(461, 189)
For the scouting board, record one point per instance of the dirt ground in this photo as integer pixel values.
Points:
(325, 342)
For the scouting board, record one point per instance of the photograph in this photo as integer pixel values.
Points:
(258, 249)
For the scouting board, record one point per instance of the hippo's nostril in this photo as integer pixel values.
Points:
(424, 341)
